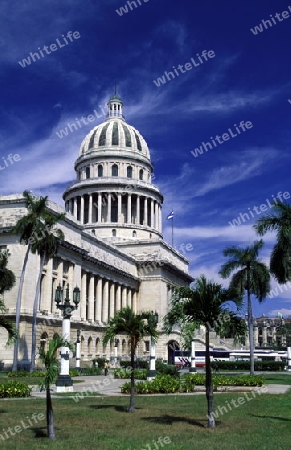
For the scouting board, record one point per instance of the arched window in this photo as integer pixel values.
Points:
(129, 172)
(114, 233)
(114, 170)
(134, 234)
(100, 170)
(141, 174)
(87, 172)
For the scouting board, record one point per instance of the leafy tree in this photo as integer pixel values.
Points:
(205, 304)
(280, 222)
(253, 277)
(27, 227)
(7, 281)
(51, 363)
(136, 327)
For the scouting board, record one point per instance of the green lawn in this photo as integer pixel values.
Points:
(102, 423)
(278, 378)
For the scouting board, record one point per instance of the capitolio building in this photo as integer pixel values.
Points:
(113, 248)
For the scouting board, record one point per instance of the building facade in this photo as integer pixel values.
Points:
(113, 248)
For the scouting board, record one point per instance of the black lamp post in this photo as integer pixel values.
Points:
(64, 382)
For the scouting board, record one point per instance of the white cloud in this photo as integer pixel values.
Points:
(284, 311)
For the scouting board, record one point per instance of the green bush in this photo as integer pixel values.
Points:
(24, 373)
(99, 361)
(13, 388)
(167, 369)
(167, 384)
(139, 363)
(123, 374)
(274, 366)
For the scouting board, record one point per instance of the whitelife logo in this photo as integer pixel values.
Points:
(259, 209)
(244, 126)
(52, 48)
(267, 23)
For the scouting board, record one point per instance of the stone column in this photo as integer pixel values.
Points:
(82, 209)
(152, 214)
(112, 299)
(256, 335)
(124, 296)
(129, 298)
(129, 208)
(99, 206)
(138, 210)
(46, 295)
(156, 216)
(109, 208)
(105, 305)
(99, 302)
(91, 298)
(75, 208)
(146, 211)
(134, 302)
(264, 334)
(160, 219)
(118, 298)
(119, 198)
(90, 216)
(83, 302)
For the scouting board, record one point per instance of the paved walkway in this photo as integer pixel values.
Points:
(111, 387)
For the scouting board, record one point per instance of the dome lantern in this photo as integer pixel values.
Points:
(115, 107)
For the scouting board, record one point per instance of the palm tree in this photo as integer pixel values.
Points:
(279, 221)
(136, 327)
(51, 363)
(202, 305)
(7, 281)
(47, 248)
(253, 277)
(27, 228)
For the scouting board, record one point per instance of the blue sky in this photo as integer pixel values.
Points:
(248, 79)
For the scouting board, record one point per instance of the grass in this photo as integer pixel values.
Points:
(29, 380)
(280, 378)
(102, 422)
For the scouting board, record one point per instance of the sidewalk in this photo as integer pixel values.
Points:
(111, 387)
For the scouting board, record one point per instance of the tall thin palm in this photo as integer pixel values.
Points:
(280, 222)
(136, 327)
(47, 248)
(253, 277)
(205, 304)
(50, 360)
(27, 228)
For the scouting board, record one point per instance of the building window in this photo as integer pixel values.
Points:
(141, 174)
(113, 233)
(114, 170)
(87, 172)
(129, 172)
(100, 170)
(134, 234)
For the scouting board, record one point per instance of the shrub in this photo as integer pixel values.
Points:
(161, 384)
(99, 361)
(274, 366)
(139, 363)
(139, 374)
(14, 388)
(167, 369)
(24, 373)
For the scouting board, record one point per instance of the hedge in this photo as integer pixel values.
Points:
(167, 384)
(25, 373)
(139, 363)
(273, 366)
(13, 388)
(123, 374)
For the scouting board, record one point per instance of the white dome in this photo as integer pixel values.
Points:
(114, 134)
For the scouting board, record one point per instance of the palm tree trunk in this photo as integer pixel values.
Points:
(49, 415)
(209, 387)
(132, 354)
(18, 309)
(34, 314)
(251, 334)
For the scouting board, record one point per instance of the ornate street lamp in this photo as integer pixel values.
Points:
(64, 382)
(78, 349)
(154, 318)
(193, 360)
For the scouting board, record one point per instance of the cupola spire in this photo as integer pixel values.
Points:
(115, 106)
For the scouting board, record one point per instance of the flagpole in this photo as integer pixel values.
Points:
(173, 231)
